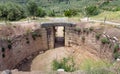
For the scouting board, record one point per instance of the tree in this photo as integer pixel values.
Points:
(70, 12)
(15, 12)
(40, 12)
(32, 8)
(91, 10)
(11, 11)
(51, 13)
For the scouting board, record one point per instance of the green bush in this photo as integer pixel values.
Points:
(9, 46)
(97, 36)
(70, 12)
(78, 29)
(84, 30)
(105, 41)
(83, 39)
(34, 35)
(91, 28)
(63, 64)
(40, 12)
(116, 47)
(32, 8)
(51, 13)
(12, 12)
(116, 55)
(3, 49)
(91, 10)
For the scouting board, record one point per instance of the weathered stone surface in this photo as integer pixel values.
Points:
(6, 72)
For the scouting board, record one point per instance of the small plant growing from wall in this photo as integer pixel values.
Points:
(116, 48)
(116, 51)
(83, 39)
(116, 55)
(97, 36)
(9, 46)
(3, 49)
(34, 35)
(77, 29)
(9, 43)
(91, 29)
(105, 41)
(84, 30)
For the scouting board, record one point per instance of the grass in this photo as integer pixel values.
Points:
(95, 67)
(110, 15)
(66, 63)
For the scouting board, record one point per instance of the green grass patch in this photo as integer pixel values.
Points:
(66, 63)
(110, 15)
(95, 67)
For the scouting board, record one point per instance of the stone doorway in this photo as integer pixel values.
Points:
(59, 36)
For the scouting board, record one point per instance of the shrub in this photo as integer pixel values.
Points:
(51, 13)
(116, 47)
(105, 41)
(91, 28)
(63, 64)
(3, 49)
(84, 30)
(32, 8)
(40, 12)
(97, 36)
(78, 29)
(83, 39)
(11, 11)
(116, 55)
(70, 12)
(9, 46)
(91, 10)
(34, 35)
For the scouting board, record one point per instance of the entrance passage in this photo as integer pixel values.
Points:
(59, 36)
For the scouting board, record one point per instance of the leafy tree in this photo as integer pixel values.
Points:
(91, 10)
(70, 12)
(51, 13)
(35, 10)
(40, 12)
(11, 11)
(3, 11)
(15, 12)
(32, 8)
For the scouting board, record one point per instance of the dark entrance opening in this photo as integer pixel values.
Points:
(59, 36)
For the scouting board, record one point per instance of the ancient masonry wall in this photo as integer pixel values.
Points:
(17, 48)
